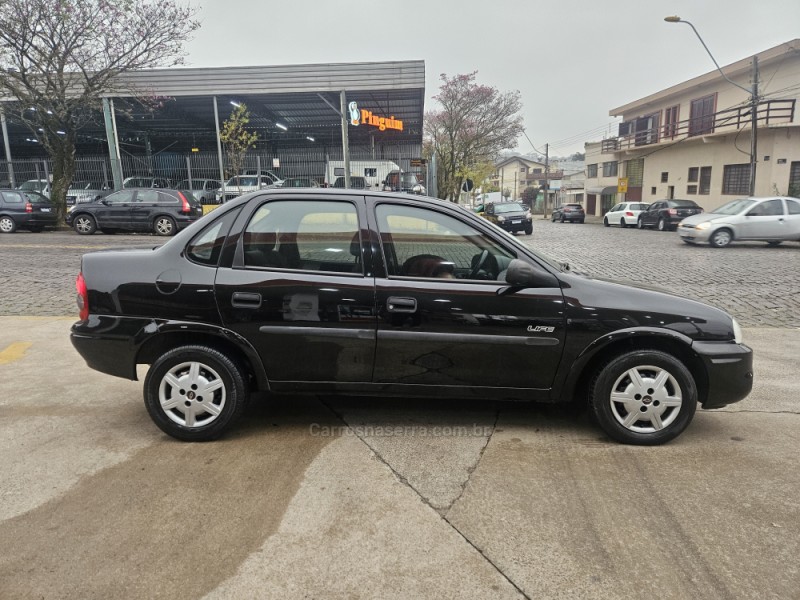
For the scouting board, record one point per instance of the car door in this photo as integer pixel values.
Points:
(301, 290)
(446, 316)
(765, 221)
(792, 219)
(113, 211)
(142, 209)
(650, 216)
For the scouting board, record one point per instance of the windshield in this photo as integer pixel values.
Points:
(86, 185)
(509, 207)
(734, 207)
(251, 181)
(409, 179)
(37, 185)
(197, 184)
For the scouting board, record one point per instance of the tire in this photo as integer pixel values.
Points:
(606, 223)
(562, 219)
(774, 243)
(662, 225)
(180, 379)
(721, 238)
(84, 224)
(529, 230)
(7, 225)
(644, 397)
(639, 223)
(164, 226)
(622, 223)
(553, 219)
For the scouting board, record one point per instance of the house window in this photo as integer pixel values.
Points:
(647, 130)
(537, 171)
(701, 115)
(671, 122)
(653, 191)
(610, 169)
(591, 170)
(634, 170)
(694, 173)
(625, 128)
(705, 181)
(736, 179)
(664, 177)
(794, 179)
(691, 189)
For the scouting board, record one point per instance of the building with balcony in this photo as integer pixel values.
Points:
(517, 173)
(692, 140)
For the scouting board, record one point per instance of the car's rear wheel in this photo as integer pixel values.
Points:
(7, 225)
(606, 223)
(721, 238)
(562, 219)
(644, 397)
(662, 225)
(84, 225)
(622, 223)
(553, 219)
(164, 226)
(194, 393)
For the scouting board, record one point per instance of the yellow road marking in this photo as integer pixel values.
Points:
(14, 352)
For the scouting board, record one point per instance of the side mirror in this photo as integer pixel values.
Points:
(524, 274)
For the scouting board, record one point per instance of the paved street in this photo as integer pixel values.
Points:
(321, 497)
(755, 283)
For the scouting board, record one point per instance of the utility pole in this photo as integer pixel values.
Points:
(546, 177)
(754, 128)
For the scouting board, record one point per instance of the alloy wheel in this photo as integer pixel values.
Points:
(646, 399)
(192, 394)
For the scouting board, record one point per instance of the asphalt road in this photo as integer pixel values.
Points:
(320, 497)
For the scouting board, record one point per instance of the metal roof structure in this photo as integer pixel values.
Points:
(179, 111)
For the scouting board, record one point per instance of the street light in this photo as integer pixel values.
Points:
(753, 99)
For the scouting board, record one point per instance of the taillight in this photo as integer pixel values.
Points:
(83, 297)
(29, 207)
(185, 208)
(628, 213)
(672, 211)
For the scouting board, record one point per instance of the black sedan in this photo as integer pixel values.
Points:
(163, 212)
(25, 210)
(339, 291)
(573, 213)
(511, 216)
(665, 215)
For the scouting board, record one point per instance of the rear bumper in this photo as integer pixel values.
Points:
(729, 367)
(109, 344)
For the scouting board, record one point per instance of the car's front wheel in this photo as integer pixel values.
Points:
(193, 393)
(640, 223)
(84, 225)
(644, 397)
(528, 229)
(165, 226)
(721, 238)
(605, 222)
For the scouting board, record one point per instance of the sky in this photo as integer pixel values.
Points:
(571, 60)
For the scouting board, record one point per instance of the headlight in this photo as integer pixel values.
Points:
(501, 219)
(737, 331)
(703, 226)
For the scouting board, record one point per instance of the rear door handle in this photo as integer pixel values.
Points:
(395, 304)
(246, 300)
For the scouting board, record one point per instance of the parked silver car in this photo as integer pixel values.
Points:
(204, 190)
(772, 220)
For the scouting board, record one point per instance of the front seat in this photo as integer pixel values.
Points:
(428, 265)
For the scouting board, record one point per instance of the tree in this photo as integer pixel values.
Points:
(58, 57)
(474, 124)
(237, 139)
(529, 195)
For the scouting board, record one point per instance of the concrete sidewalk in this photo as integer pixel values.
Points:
(326, 498)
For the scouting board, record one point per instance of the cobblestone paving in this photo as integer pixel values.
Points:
(759, 285)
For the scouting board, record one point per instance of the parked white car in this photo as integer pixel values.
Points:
(773, 220)
(624, 214)
(243, 184)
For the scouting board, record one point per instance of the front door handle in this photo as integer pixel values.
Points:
(395, 304)
(246, 300)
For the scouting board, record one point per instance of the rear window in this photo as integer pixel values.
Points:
(206, 246)
(682, 204)
(636, 206)
(12, 197)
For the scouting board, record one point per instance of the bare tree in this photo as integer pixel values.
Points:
(59, 57)
(474, 124)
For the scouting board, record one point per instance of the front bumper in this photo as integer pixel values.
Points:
(729, 367)
(513, 225)
(692, 234)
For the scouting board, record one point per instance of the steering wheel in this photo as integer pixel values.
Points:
(478, 264)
